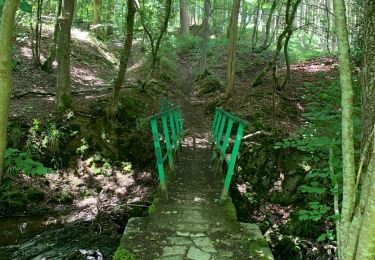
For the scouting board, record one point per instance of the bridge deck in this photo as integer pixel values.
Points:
(192, 223)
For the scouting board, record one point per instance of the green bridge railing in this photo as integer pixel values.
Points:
(171, 137)
(223, 118)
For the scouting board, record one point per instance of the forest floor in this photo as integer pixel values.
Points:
(76, 203)
(74, 212)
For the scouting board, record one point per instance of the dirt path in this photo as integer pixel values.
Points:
(196, 123)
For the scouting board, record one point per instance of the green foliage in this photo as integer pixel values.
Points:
(327, 236)
(99, 165)
(1, 8)
(310, 49)
(26, 7)
(45, 142)
(315, 213)
(83, 148)
(14, 136)
(320, 132)
(189, 45)
(17, 161)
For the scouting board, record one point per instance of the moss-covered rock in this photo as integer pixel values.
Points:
(35, 195)
(123, 254)
(209, 82)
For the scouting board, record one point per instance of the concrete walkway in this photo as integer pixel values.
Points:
(192, 223)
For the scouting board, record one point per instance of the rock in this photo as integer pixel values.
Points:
(197, 254)
(174, 250)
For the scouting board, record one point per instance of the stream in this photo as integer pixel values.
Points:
(52, 236)
(15, 230)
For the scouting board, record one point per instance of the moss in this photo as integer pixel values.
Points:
(209, 83)
(153, 208)
(35, 195)
(231, 210)
(66, 198)
(123, 254)
(256, 248)
(13, 195)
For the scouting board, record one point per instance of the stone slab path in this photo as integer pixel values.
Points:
(192, 223)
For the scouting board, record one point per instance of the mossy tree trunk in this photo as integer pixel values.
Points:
(368, 77)
(357, 219)
(63, 91)
(347, 131)
(6, 30)
(113, 109)
(231, 65)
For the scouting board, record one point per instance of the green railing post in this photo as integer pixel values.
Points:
(158, 154)
(232, 162)
(227, 135)
(213, 126)
(219, 136)
(172, 133)
(177, 124)
(217, 125)
(173, 129)
(167, 141)
(181, 124)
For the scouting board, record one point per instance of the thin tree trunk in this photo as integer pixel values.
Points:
(268, 25)
(109, 18)
(287, 32)
(206, 31)
(328, 31)
(184, 17)
(231, 65)
(167, 15)
(347, 132)
(38, 33)
(6, 31)
(113, 109)
(47, 65)
(63, 92)
(254, 38)
(97, 4)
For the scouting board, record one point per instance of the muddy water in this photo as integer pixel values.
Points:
(14, 230)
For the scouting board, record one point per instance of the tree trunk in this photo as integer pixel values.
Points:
(47, 65)
(347, 131)
(6, 30)
(290, 14)
(268, 25)
(368, 76)
(205, 36)
(328, 30)
(184, 17)
(63, 92)
(113, 109)
(231, 65)
(97, 16)
(38, 33)
(109, 18)
(167, 15)
(254, 38)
